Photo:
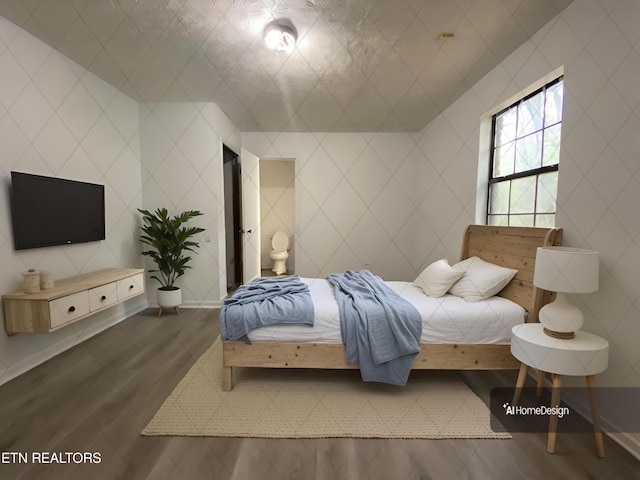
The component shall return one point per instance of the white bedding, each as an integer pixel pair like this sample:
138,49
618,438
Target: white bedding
448,319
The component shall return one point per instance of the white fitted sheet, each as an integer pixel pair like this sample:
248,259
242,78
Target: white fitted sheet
448,319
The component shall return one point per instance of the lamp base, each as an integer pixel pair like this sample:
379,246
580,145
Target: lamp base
560,318
561,335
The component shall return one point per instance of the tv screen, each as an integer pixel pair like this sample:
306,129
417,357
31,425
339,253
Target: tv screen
51,211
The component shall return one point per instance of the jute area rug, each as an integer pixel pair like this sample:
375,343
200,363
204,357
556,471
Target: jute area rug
268,403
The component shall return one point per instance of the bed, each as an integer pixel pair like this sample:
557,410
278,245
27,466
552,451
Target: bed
510,247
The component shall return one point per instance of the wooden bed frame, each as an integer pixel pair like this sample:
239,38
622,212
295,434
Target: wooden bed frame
513,247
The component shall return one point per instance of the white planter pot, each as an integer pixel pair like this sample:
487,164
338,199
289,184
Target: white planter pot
169,298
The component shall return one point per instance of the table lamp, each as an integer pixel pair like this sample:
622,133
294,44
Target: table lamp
564,270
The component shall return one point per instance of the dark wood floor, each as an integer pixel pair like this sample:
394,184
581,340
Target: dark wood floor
98,396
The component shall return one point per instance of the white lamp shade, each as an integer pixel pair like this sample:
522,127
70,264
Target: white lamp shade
566,270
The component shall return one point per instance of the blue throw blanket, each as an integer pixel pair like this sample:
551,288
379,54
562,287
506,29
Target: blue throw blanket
380,329
265,301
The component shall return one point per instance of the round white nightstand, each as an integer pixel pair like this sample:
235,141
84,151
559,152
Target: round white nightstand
584,355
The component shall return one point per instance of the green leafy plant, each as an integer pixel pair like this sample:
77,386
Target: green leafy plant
170,240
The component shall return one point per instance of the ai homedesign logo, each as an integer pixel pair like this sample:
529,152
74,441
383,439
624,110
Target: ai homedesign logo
538,411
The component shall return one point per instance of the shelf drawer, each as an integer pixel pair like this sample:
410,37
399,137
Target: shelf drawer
103,296
69,308
130,286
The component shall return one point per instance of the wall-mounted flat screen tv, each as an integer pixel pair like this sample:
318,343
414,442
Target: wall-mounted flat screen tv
51,211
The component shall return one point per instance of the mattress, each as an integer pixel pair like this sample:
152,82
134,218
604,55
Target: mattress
448,319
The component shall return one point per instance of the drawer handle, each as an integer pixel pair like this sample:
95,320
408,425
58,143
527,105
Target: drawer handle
72,309
103,298
130,287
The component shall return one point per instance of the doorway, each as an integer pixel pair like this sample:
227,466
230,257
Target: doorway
232,217
277,209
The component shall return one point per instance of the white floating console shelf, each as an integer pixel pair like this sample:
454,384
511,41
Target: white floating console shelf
70,300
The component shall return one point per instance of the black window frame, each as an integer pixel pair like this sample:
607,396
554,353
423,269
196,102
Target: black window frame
534,172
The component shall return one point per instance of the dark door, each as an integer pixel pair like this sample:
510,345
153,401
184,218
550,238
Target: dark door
232,217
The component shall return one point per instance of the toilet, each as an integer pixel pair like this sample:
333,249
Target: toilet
280,252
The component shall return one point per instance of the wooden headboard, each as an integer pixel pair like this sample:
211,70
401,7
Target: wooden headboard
513,247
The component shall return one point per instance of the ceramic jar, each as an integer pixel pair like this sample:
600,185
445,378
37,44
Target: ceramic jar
46,280
31,281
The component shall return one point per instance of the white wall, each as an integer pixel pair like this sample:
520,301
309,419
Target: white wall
181,146
60,120
370,201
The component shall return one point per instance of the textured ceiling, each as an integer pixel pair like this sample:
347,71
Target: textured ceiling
359,65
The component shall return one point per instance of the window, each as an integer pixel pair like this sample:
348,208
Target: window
525,152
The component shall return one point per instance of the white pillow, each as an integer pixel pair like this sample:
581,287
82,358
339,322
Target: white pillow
481,280
437,278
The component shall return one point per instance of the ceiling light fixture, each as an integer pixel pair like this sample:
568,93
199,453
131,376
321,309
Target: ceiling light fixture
280,35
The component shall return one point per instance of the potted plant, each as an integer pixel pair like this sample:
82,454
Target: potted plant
170,240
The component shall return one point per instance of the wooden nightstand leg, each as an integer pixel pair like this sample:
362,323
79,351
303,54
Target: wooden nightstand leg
522,376
595,415
553,420
540,385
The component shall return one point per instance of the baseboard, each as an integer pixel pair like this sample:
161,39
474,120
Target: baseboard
127,309
628,442
192,304
208,305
